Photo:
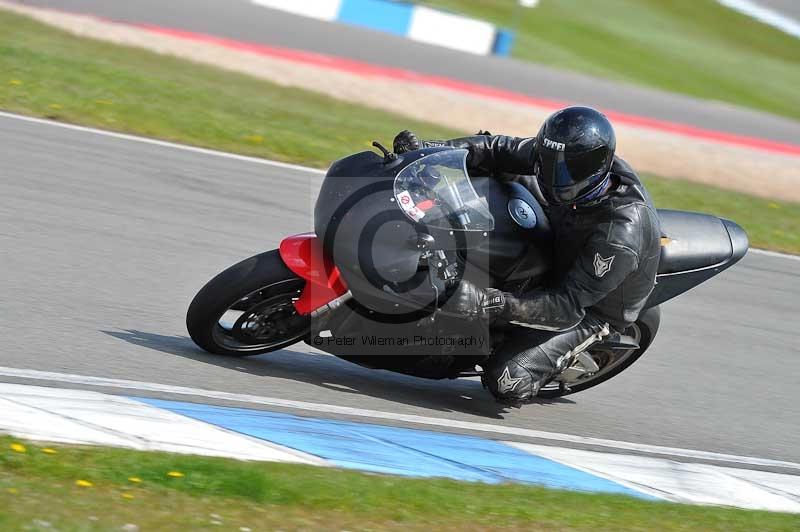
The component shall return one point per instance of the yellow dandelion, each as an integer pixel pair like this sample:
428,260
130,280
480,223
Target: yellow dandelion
255,139
135,480
83,484
772,205
103,102
48,450
175,474
12,491
54,106
18,448
127,496
14,82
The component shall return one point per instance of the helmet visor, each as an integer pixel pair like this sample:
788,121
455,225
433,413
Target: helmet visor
565,177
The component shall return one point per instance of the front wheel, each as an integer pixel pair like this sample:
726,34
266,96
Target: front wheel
611,363
249,309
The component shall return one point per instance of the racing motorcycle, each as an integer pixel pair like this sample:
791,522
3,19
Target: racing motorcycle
393,235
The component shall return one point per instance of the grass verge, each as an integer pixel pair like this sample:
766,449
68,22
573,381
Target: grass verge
697,47
770,224
46,72
88,488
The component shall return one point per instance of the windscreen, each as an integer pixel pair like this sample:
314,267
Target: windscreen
436,191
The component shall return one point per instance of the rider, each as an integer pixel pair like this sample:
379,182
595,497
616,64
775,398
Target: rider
607,247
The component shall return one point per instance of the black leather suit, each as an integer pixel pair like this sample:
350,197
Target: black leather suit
606,260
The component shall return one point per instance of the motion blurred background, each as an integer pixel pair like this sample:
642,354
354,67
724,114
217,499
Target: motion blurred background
104,244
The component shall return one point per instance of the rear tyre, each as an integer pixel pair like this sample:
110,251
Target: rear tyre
612,363
248,309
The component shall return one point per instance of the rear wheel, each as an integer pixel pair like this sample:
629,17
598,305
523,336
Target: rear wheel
248,309
611,362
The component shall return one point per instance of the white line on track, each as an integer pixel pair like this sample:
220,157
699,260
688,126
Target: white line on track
227,155
162,143
774,254
773,17
392,416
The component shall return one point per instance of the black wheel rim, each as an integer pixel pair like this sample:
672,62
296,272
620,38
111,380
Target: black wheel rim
607,359
264,319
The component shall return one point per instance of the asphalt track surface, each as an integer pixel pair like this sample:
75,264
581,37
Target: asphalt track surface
242,20
789,8
104,241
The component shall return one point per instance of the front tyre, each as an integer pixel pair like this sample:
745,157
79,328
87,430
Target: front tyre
248,309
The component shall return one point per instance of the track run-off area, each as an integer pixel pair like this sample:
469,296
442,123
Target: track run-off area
105,239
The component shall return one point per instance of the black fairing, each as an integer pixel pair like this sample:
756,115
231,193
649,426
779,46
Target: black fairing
511,253
695,248
355,197
373,243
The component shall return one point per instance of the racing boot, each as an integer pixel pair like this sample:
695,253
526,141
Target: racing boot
528,359
515,379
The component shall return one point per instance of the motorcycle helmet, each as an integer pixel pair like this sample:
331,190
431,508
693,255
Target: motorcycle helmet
574,152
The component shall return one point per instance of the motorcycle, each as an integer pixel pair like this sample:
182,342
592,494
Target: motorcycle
393,235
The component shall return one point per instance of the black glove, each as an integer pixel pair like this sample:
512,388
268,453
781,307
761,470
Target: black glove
405,141
472,302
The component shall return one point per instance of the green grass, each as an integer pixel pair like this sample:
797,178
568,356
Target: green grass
46,72
770,224
35,487
695,47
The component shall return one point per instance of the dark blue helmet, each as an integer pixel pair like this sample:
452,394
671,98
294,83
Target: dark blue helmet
574,153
